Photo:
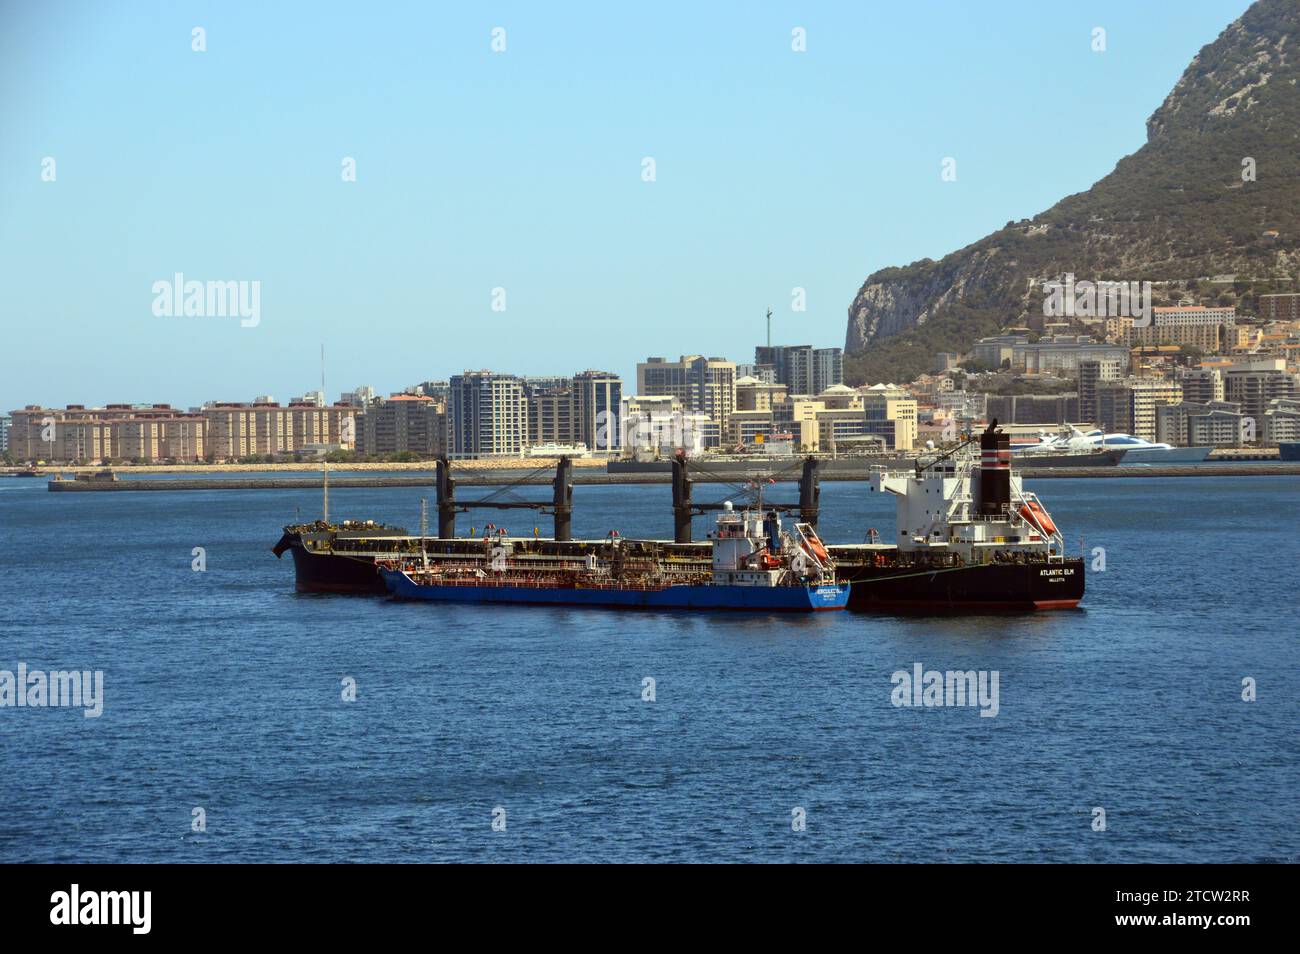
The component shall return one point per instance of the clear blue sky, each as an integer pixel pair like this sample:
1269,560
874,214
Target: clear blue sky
522,170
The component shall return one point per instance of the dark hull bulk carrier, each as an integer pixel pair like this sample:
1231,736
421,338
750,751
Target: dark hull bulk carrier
968,537
343,561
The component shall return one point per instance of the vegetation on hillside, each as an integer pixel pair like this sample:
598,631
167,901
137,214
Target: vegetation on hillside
1178,209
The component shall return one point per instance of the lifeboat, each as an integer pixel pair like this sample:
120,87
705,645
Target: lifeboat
816,547
1036,516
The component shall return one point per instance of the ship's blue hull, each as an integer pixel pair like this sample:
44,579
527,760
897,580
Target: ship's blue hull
766,599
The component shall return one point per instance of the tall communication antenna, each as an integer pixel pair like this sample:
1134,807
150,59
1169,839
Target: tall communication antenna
769,327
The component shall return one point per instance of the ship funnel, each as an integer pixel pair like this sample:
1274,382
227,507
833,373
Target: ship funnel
995,472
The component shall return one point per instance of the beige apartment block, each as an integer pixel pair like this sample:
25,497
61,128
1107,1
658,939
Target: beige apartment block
238,430
891,412
117,432
750,427
1193,325
755,395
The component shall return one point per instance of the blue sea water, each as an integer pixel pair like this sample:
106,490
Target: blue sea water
222,691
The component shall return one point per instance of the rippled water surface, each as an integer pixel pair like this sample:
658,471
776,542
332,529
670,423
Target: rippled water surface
222,692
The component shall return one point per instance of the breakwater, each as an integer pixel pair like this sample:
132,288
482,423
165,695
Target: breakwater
581,479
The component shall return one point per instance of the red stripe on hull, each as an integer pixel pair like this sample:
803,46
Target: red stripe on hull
945,606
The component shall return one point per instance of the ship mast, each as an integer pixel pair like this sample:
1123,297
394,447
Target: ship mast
325,463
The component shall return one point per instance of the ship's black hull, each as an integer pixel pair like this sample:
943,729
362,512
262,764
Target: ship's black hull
330,572
990,587
986,588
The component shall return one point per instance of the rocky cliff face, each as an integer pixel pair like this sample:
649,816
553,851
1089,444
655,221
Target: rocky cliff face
894,301
1178,208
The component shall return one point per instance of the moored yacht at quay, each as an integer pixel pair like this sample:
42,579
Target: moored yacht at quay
1132,450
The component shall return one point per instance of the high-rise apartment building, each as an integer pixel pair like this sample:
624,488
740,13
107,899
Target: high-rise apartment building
597,397
487,415
360,397
791,365
827,368
1202,385
703,385
1092,371
803,369
550,416
1129,406
403,424
1255,384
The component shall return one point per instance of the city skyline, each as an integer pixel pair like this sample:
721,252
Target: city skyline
521,170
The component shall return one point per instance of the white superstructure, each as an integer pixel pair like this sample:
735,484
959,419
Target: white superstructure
977,513
751,548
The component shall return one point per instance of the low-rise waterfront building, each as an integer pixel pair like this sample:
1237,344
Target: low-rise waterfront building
1199,424
658,424
750,427
1281,422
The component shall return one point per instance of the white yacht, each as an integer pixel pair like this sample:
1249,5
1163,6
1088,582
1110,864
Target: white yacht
1136,450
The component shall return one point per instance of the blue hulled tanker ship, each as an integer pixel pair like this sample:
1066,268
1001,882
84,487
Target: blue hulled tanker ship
757,565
